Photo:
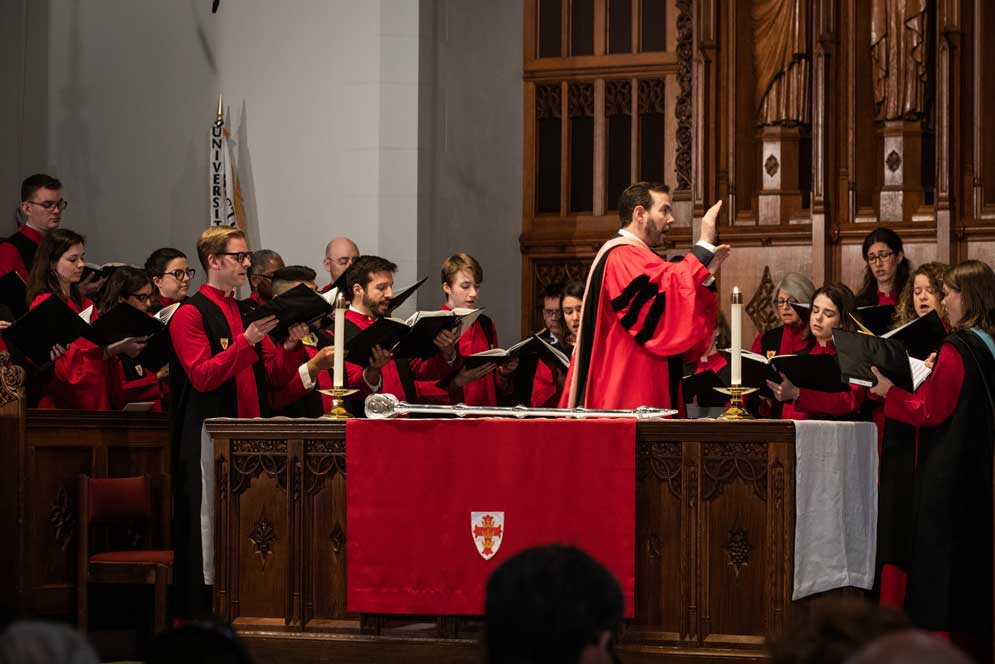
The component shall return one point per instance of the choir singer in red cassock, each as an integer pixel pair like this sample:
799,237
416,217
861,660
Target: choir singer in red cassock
950,566
219,367
642,314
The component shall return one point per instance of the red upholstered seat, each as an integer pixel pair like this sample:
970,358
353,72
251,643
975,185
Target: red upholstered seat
160,557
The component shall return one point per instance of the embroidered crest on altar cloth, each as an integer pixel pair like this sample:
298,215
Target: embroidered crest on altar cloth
487,530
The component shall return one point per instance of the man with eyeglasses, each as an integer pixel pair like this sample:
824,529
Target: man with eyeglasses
220,367
265,263
340,254
41,207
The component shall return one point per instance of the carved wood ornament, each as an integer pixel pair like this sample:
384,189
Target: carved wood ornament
760,308
11,379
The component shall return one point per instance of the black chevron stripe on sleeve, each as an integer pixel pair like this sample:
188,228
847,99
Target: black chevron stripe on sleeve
652,318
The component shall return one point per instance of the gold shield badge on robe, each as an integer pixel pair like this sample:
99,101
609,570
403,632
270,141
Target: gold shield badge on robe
224,343
487,530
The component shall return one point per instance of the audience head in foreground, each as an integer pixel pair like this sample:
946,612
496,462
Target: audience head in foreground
909,647
200,642
38,642
551,604
833,630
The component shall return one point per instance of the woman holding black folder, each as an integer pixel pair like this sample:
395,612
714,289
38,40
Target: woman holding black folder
80,378
950,567
831,308
129,381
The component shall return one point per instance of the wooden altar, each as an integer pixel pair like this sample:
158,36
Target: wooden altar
714,559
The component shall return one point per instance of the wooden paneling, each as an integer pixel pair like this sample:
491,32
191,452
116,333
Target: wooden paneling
712,144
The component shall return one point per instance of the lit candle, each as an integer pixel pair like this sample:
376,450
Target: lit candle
340,309
737,337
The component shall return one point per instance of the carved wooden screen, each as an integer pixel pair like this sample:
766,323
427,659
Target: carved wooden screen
607,102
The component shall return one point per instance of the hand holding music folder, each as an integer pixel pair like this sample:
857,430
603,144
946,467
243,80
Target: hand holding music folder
534,345
123,321
922,336
408,339
814,372
300,304
858,352
49,324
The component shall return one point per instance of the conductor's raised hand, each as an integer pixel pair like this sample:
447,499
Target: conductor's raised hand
709,232
721,253
258,330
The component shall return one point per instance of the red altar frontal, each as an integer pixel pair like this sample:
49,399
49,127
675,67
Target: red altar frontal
696,518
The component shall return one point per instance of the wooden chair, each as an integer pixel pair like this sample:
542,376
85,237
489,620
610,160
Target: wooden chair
124,505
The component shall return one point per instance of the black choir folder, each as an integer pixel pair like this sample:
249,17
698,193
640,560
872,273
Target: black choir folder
534,345
300,304
858,352
156,353
814,372
877,318
13,294
700,389
51,322
411,338
921,336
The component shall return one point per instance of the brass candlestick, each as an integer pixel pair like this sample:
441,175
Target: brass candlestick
736,394
338,395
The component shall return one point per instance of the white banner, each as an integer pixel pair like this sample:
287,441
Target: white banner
223,190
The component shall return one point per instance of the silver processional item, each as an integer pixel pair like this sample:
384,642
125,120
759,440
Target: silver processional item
382,406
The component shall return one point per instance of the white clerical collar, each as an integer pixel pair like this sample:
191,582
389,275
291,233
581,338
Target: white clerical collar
631,236
352,308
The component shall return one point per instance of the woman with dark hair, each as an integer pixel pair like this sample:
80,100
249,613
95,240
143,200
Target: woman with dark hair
886,271
80,375
130,382
831,308
713,360
950,568
547,385
170,275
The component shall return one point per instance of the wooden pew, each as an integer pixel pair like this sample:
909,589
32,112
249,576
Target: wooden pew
42,453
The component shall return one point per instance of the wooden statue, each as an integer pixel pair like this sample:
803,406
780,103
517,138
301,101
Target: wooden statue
898,54
781,61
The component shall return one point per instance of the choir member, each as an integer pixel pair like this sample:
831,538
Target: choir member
371,282
488,383
899,444
129,381
340,254
886,271
219,367
552,313
80,377
171,276
641,313
792,335
712,359
831,308
41,208
950,566
316,343
265,263
547,386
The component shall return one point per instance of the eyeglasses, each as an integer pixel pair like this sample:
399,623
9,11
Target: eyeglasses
179,274
550,312
881,257
48,205
781,302
240,256
144,298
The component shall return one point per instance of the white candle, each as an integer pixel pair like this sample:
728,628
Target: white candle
736,324
338,370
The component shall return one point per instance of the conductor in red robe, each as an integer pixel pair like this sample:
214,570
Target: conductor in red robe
642,314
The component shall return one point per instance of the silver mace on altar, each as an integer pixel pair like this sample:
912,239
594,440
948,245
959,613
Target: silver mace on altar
383,406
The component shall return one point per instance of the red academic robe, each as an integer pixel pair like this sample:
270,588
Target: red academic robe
130,382
641,315
434,368
714,362
10,257
207,372
793,340
481,392
891,297
812,404
81,377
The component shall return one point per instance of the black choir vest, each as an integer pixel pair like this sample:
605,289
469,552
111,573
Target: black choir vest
26,248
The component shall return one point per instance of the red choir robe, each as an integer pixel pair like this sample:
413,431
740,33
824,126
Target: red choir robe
481,392
891,297
641,315
130,382
714,362
812,404
18,247
548,383
950,568
81,377
789,339
433,368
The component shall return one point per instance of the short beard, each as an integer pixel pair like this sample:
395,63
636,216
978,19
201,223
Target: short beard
372,306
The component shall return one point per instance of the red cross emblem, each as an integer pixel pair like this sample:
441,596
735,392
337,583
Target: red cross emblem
487,530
